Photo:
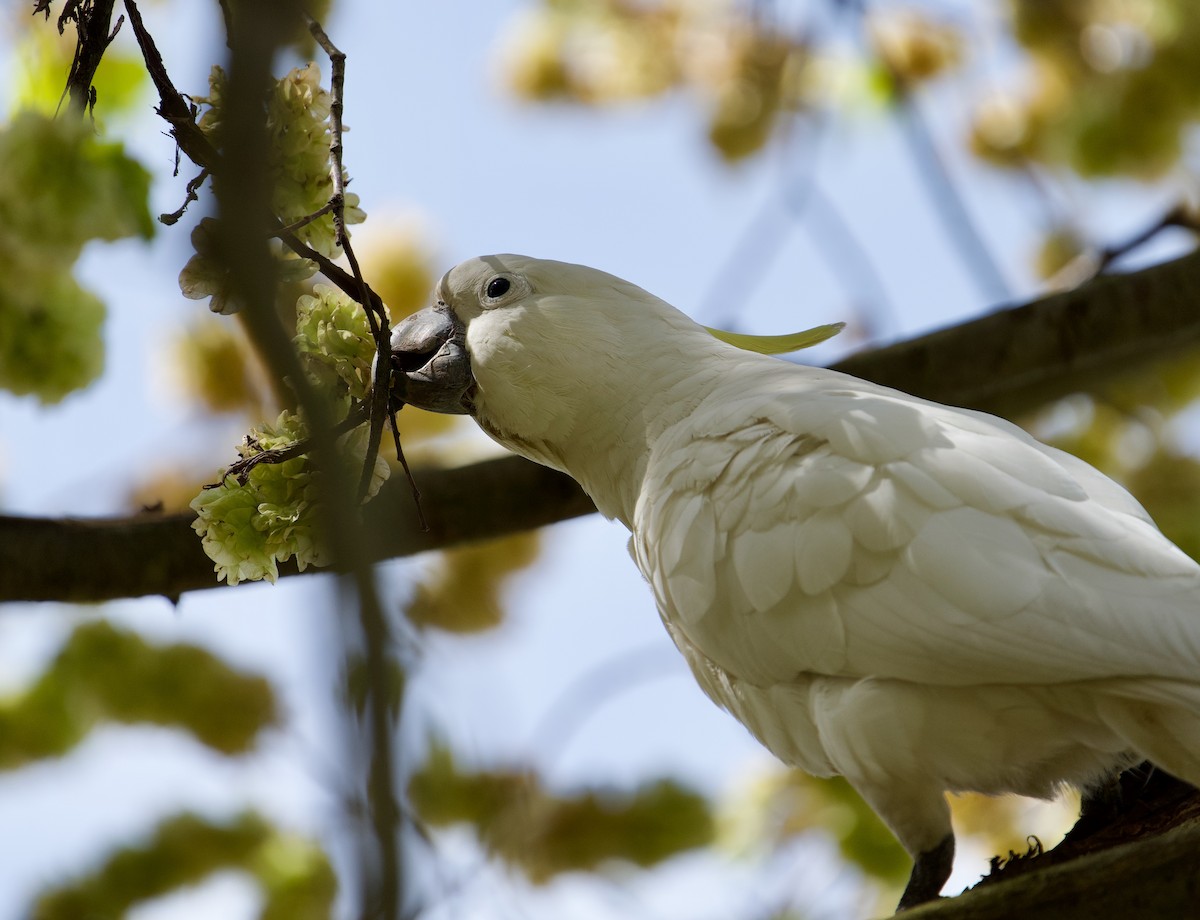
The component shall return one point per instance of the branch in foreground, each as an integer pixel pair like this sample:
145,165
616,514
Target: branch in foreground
1154,877
80,560
1006,362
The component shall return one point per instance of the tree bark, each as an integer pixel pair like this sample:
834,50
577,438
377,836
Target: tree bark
1151,879
1007,362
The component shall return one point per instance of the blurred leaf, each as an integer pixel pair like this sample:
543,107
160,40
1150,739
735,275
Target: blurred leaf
183,851
1169,386
218,367
863,839
545,833
105,674
594,53
645,827
1116,85
297,879
463,593
400,263
442,794
42,60
59,188
1168,485
784,804
1058,249
749,103
914,47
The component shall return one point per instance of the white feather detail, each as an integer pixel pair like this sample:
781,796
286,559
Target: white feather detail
823,545
762,563
984,564
883,518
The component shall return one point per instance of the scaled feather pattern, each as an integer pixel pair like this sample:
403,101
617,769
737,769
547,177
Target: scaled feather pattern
916,597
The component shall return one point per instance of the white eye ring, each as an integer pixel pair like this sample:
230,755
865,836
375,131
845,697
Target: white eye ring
501,287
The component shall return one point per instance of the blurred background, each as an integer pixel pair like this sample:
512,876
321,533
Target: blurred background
764,166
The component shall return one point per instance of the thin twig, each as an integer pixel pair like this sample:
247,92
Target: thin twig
193,188
242,203
240,469
940,187
392,410
193,142
304,221
947,201
375,314
93,36
385,814
172,106
1179,216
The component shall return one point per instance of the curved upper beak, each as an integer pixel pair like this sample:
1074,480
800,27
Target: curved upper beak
430,360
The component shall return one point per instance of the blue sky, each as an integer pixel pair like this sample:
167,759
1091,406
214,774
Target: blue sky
634,191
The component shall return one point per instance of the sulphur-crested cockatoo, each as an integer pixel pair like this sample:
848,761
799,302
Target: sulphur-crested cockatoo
915,597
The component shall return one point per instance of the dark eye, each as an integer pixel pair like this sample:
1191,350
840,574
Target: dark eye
498,287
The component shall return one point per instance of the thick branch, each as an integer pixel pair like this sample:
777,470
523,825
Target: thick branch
1155,877
92,22
1006,362
1014,360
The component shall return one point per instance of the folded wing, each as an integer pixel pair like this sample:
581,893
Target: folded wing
860,532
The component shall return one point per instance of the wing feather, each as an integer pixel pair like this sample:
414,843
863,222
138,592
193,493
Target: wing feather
860,532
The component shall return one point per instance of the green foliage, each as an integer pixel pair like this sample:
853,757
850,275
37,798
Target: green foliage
1117,431
787,803
862,838
297,880
59,188
333,337
206,274
1168,485
297,117
42,60
1116,89
250,523
544,833
248,527
461,594
104,674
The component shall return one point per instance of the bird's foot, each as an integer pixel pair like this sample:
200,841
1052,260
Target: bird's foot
929,874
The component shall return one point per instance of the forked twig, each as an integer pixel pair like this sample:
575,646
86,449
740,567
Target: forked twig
240,469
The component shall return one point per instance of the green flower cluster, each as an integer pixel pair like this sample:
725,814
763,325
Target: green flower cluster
333,337
206,275
247,529
298,124
297,116
59,188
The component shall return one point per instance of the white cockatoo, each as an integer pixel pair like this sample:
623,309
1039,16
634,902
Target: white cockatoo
915,597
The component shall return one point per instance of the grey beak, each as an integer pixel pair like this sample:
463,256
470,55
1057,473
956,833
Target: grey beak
429,355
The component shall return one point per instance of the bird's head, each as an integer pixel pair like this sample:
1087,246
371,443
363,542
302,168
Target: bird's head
565,364
529,346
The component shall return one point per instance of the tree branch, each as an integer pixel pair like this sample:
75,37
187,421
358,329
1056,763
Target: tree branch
1007,362
92,19
1154,877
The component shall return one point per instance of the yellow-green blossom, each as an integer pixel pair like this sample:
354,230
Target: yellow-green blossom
333,337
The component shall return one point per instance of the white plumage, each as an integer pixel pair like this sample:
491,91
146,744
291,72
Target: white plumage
915,597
